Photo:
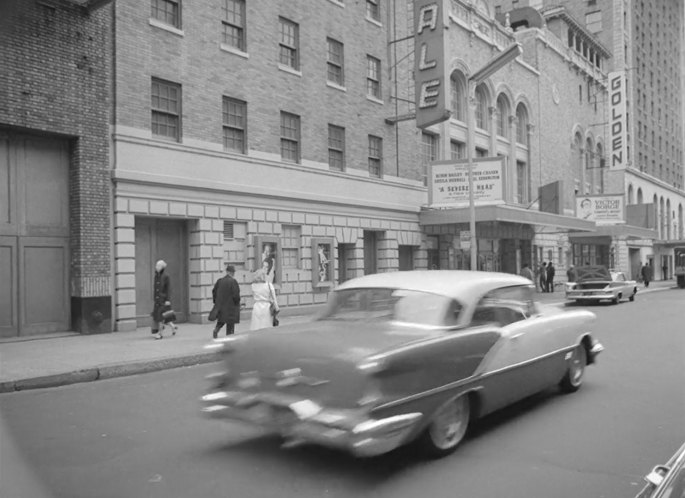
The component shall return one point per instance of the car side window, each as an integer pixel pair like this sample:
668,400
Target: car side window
504,306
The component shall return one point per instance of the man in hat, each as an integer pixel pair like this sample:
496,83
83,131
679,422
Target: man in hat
226,297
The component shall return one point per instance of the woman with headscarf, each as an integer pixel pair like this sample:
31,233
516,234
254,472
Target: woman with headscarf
265,304
161,295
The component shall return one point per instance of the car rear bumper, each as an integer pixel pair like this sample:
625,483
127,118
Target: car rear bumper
589,295
305,421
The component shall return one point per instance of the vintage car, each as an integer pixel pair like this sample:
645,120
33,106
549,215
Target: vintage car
597,283
400,357
666,481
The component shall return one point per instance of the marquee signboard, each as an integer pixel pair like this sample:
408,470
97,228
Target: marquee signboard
618,124
449,182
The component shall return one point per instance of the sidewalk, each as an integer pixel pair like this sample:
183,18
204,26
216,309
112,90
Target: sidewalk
60,359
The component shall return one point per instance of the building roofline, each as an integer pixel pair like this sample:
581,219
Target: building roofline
561,12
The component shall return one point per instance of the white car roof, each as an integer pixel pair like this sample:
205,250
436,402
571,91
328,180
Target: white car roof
462,285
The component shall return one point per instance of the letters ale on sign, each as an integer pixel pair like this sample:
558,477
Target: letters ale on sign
618,131
429,62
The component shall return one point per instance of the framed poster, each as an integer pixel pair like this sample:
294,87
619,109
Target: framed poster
322,261
267,250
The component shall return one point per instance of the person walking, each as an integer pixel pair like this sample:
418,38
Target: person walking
527,272
570,274
226,297
161,295
542,277
646,273
265,305
550,277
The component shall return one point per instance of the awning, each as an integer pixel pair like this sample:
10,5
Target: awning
504,213
622,230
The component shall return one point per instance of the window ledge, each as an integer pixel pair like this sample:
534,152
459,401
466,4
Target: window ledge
232,50
373,21
288,69
375,100
336,86
166,27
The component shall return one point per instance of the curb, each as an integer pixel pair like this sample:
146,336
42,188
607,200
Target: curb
108,372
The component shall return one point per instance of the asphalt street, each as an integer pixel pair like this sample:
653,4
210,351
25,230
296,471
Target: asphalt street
143,436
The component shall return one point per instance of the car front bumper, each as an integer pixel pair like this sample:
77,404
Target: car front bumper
303,420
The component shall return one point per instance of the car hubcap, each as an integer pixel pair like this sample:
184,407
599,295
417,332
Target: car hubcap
450,422
577,368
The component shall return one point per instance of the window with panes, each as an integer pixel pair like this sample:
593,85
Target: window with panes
373,9
290,245
375,156
289,43
458,96
429,151
502,117
234,125
290,137
457,150
521,182
336,147
167,11
481,109
373,77
166,109
335,62
235,240
234,24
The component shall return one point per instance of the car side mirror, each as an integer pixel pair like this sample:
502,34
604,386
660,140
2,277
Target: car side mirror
656,476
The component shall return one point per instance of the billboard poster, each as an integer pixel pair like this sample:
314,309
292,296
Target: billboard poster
602,209
449,182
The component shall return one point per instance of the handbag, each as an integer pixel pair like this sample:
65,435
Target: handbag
168,315
214,314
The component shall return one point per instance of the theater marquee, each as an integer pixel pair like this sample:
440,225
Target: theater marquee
449,182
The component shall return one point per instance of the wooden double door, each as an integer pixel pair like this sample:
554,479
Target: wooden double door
166,239
34,235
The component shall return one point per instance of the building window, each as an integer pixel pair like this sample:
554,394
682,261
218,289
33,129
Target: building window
521,182
235,238
375,156
429,152
167,11
457,150
289,44
336,147
373,10
335,62
521,125
235,124
502,117
373,77
481,109
290,137
458,96
290,244
166,109
234,24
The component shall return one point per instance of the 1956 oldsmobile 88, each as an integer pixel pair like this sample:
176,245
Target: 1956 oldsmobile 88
402,357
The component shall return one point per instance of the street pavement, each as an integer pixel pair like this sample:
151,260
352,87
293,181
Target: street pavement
59,359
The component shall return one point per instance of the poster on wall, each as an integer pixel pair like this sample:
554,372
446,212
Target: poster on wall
322,262
448,184
602,209
266,257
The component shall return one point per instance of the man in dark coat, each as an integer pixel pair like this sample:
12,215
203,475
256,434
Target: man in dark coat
550,277
542,277
646,273
161,295
226,296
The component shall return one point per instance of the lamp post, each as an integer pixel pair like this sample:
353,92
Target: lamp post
494,65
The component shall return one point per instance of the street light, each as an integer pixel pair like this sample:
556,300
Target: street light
494,65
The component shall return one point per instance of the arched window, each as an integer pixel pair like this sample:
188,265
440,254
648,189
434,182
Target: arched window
630,194
482,113
589,154
458,95
640,200
502,116
521,125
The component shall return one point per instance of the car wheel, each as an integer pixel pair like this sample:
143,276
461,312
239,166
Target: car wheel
573,378
447,428
616,300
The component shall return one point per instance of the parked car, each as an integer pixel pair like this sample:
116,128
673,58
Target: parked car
666,481
597,283
402,357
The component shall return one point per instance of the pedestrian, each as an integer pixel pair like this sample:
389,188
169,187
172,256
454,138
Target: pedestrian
161,295
265,306
527,272
664,272
542,277
646,273
570,274
550,277
226,297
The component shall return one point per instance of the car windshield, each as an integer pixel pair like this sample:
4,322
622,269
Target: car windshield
399,305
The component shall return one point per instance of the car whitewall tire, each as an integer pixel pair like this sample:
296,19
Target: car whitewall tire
576,370
447,427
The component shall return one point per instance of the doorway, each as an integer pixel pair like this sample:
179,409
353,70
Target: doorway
158,238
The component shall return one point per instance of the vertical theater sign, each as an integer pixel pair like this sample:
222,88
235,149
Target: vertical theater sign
618,124
429,65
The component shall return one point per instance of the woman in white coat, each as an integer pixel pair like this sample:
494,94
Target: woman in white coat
263,295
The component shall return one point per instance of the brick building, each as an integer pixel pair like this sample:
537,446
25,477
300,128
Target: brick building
55,236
